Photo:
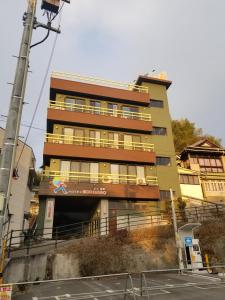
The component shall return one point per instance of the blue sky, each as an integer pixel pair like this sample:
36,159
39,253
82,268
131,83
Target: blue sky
120,39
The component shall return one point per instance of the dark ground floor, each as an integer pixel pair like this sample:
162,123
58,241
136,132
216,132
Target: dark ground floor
63,211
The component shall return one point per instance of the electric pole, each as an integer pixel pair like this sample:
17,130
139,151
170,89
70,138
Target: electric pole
16,105
177,238
14,115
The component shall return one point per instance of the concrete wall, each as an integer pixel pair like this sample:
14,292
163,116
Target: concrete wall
41,267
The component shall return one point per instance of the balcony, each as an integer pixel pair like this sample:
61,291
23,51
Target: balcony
75,113
99,149
75,83
81,184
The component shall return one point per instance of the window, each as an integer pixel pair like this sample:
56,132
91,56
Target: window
79,136
65,169
95,137
96,107
159,131
128,141
113,140
68,135
115,173
163,161
189,179
210,164
165,195
74,104
156,103
80,171
129,112
122,173
113,109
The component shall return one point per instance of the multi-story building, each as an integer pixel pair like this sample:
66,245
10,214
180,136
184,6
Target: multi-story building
108,150
206,160
22,184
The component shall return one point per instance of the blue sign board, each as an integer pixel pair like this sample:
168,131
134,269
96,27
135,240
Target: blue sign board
188,241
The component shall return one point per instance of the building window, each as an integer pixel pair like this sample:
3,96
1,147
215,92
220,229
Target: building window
159,131
164,195
189,179
130,112
113,109
96,107
156,103
210,164
163,161
73,104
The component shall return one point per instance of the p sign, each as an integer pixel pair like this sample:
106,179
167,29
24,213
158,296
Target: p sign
188,241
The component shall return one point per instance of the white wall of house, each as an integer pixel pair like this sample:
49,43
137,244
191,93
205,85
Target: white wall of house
21,194
191,190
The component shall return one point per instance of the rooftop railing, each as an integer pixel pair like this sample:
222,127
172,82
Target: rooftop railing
95,142
100,81
89,177
100,111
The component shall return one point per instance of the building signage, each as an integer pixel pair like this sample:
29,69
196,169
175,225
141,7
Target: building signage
5,292
188,241
60,187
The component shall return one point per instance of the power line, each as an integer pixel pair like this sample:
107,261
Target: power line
27,125
41,91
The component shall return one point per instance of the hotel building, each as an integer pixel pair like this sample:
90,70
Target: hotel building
108,151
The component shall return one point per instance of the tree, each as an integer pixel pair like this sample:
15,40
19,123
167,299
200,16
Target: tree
186,133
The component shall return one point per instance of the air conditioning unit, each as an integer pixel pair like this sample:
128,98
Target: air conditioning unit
141,181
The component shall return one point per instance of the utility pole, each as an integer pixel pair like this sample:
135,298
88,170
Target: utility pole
14,115
177,238
16,105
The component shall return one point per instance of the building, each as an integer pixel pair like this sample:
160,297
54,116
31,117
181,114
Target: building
108,151
206,160
19,204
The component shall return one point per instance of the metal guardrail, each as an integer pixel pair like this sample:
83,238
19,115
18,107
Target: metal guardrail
100,111
128,290
52,238
146,287
97,80
99,177
95,142
200,213
145,284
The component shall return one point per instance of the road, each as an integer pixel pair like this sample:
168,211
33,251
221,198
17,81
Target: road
170,286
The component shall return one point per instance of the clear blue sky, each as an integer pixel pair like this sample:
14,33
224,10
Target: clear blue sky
120,39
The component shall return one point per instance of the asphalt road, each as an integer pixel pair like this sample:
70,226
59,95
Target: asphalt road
160,287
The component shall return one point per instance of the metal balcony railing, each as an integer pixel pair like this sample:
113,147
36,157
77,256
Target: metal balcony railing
89,177
100,81
100,111
95,142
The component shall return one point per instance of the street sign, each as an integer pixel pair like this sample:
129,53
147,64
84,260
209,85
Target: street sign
5,292
188,241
